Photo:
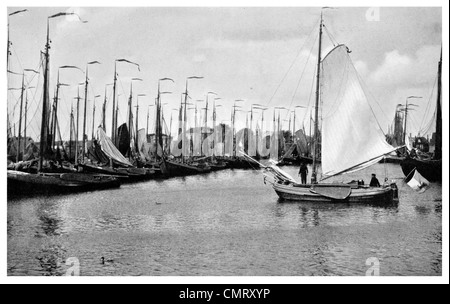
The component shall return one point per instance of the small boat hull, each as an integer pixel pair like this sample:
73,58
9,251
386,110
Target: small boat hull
358,195
175,168
27,183
127,174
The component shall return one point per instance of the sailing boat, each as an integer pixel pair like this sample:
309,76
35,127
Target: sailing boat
169,165
351,138
431,169
42,181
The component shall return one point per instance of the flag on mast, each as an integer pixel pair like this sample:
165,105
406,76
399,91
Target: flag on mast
417,182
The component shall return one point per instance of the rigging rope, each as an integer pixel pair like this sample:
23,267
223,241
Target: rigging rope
300,79
292,64
429,105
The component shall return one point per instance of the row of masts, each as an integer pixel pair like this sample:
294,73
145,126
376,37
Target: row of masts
49,125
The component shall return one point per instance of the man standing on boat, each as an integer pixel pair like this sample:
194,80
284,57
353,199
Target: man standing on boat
303,172
374,181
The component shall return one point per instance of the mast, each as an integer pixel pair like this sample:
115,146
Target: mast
113,125
78,125
280,133
185,123
84,115
55,111
137,126
214,129
404,126
104,112
158,131
310,133
180,117
206,123
71,131
438,141
195,127
85,107
93,120
44,122
20,117
170,132
233,117
316,114
130,116
25,120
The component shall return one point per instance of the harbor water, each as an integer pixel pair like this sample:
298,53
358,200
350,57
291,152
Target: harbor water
226,223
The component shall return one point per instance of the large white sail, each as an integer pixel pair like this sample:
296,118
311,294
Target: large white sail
351,137
109,149
143,146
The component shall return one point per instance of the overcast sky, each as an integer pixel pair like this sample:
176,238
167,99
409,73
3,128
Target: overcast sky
262,55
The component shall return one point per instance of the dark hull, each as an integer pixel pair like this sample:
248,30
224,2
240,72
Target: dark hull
218,166
174,168
240,163
20,183
430,169
125,174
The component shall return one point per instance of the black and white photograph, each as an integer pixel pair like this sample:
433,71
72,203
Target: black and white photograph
213,140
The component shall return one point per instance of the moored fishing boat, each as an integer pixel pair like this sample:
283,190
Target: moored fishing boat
430,168
28,183
46,178
177,168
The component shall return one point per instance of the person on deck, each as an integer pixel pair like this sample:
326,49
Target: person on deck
374,181
303,172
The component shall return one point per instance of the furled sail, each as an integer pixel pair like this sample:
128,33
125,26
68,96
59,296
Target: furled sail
109,149
351,137
143,146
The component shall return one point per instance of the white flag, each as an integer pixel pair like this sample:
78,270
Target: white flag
417,181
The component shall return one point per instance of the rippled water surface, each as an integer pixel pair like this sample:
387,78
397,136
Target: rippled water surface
222,224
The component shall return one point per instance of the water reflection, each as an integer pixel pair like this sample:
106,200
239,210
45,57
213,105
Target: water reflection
51,260
49,219
309,217
226,223
422,210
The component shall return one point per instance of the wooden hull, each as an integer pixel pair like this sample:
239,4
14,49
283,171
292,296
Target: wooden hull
430,169
27,183
175,168
240,163
218,166
358,195
126,174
